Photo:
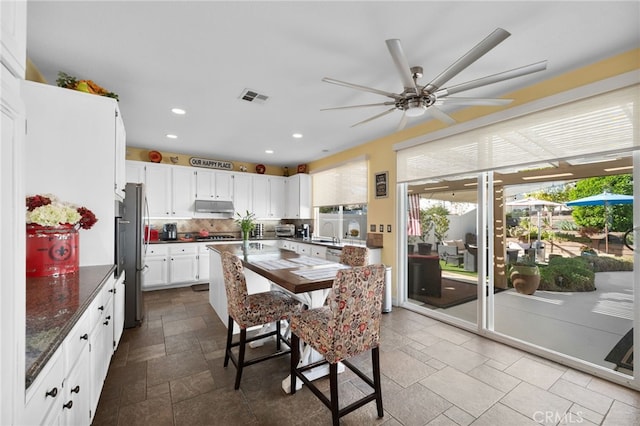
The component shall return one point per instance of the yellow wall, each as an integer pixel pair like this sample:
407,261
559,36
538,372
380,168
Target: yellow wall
383,158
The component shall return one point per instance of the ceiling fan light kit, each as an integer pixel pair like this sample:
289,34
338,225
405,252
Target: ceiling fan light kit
416,99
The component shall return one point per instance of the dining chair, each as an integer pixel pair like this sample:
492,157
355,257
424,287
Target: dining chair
249,310
348,325
354,256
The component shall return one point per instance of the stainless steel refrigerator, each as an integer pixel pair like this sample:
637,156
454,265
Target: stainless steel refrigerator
135,247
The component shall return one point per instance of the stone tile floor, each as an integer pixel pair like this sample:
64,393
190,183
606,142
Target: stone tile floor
169,372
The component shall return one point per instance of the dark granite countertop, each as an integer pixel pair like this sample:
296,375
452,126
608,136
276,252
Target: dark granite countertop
54,305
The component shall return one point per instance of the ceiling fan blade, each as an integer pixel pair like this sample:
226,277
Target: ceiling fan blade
363,88
491,41
403,122
495,78
473,101
359,106
374,117
402,65
438,114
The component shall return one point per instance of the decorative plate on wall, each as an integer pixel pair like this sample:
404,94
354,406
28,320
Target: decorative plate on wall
155,156
260,168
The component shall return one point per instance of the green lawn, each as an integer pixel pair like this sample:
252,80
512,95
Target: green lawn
457,269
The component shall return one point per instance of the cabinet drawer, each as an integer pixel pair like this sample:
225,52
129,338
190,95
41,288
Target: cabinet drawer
77,339
99,304
45,391
186,249
157,250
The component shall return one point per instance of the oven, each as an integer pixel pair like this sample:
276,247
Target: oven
119,240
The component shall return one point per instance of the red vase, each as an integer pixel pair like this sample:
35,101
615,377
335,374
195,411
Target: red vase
52,250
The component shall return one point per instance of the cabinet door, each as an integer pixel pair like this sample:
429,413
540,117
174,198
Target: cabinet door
156,273
135,171
260,196
183,269
292,196
76,404
118,311
183,192
101,348
158,186
242,193
205,184
14,35
276,197
203,263
120,151
223,186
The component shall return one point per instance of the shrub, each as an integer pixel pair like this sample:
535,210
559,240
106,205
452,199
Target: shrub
567,274
610,264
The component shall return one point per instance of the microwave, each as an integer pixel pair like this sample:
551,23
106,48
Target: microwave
285,230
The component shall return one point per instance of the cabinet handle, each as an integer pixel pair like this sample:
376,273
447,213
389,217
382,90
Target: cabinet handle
68,404
52,393
76,389
106,323
111,290
101,308
108,317
85,336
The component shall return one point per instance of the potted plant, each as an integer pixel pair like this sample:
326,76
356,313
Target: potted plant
247,223
426,223
525,276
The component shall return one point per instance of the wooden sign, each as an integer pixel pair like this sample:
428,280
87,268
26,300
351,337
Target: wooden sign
211,164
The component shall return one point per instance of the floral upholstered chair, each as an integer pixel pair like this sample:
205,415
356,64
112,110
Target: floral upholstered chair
249,310
354,255
346,326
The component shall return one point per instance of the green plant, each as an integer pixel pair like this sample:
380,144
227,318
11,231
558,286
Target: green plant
436,218
247,223
567,274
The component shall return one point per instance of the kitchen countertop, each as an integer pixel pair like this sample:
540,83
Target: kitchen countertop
320,242
54,305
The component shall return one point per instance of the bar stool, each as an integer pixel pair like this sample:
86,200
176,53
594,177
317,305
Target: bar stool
347,326
354,255
249,310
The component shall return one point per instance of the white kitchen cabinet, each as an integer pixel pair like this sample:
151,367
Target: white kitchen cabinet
44,396
13,52
76,401
118,310
242,185
318,251
156,272
119,160
135,171
212,185
268,196
175,265
170,190
70,146
298,197
183,266
100,340
203,263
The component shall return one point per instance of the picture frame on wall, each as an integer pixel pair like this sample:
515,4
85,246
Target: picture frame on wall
382,184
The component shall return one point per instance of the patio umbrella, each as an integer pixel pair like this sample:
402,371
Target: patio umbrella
413,223
536,204
605,199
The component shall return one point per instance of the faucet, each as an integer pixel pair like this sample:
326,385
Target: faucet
334,239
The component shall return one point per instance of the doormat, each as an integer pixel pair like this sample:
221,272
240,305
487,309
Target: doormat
622,353
454,293
200,287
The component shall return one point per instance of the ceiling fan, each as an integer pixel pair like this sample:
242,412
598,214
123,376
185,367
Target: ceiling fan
416,99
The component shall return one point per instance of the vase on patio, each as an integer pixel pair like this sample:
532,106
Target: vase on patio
525,278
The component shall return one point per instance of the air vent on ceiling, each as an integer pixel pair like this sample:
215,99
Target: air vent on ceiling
253,96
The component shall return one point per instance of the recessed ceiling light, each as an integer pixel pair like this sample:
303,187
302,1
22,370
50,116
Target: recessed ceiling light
547,176
178,111
615,169
297,135
436,187
268,151
171,136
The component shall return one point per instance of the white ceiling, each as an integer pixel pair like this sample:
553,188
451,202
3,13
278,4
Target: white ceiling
201,55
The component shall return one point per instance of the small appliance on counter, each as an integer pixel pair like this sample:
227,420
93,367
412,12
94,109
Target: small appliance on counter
258,231
150,233
170,232
285,230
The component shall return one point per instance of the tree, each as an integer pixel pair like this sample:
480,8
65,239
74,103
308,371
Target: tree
435,218
620,216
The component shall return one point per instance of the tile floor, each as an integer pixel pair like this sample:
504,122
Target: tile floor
169,372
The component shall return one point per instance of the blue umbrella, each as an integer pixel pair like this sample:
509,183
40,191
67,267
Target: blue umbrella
603,199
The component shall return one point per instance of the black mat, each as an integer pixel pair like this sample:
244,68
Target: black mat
454,293
622,353
200,287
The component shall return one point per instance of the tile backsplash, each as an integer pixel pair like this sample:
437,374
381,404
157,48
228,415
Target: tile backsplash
220,226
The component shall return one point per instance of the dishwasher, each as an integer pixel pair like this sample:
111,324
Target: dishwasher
333,255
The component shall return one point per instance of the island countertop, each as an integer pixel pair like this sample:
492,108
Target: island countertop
254,252
53,307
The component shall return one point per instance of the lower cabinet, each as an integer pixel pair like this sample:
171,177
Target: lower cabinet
67,390
175,264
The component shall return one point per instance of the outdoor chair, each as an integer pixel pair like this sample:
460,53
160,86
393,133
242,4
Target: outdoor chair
347,326
249,310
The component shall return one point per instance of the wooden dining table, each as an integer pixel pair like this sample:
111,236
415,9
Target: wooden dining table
306,278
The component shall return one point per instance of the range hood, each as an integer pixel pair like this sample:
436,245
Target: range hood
213,206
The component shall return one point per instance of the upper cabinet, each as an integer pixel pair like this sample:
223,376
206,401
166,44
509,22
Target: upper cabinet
212,185
70,149
242,200
170,190
268,196
13,20
298,197
120,155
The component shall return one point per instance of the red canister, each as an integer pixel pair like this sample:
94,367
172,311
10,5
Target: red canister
52,250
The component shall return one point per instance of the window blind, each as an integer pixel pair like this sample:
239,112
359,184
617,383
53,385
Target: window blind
598,124
341,185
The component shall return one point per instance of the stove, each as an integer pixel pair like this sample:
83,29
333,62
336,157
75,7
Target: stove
215,237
